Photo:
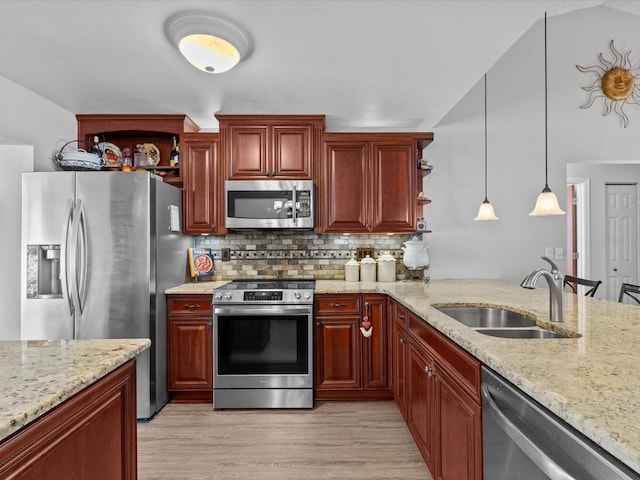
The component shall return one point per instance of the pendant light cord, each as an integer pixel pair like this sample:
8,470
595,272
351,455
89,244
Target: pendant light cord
546,142
485,137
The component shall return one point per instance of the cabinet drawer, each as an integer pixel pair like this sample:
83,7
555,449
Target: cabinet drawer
337,304
399,314
187,304
459,364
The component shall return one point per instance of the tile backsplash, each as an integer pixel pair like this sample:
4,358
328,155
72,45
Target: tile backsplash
295,254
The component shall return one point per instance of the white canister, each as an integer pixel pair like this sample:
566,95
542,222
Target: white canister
386,268
352,270
367,269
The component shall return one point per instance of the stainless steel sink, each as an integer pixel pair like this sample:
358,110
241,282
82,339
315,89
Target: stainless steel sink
499,322
526,332
488,317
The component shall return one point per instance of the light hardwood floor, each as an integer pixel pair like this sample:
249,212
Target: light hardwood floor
335,440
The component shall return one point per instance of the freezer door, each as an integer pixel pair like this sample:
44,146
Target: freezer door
47,200
113,255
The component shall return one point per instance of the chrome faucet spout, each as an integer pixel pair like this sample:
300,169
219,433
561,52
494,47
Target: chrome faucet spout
554,279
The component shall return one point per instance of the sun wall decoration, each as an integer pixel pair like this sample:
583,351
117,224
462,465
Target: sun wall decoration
618,82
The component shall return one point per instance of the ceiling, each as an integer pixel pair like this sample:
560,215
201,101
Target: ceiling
391,65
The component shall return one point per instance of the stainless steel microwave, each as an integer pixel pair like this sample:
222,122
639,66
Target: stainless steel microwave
267,204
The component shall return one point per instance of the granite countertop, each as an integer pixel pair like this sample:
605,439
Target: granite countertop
591,381
38,375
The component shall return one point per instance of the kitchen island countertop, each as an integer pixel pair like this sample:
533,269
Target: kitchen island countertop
38,375
592,381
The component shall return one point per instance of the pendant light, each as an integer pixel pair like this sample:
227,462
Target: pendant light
547,202
485,212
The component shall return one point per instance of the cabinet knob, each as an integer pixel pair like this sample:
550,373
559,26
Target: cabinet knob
317,324
402,341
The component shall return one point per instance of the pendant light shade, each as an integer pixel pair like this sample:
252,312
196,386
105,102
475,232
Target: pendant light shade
485,212
547,202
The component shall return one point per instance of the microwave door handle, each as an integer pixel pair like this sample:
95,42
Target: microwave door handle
528,447
294,208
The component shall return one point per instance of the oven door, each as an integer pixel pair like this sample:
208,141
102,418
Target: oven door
263,346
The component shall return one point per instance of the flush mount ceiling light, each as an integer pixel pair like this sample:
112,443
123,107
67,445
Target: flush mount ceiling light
209,42
485,212
547,202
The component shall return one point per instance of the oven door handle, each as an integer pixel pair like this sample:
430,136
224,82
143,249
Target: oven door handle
261,310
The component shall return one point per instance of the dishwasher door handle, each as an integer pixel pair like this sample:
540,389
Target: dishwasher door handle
529,448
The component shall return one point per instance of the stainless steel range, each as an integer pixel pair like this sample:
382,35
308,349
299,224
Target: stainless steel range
263,344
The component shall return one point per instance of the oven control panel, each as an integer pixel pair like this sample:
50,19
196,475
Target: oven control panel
250,296
263,296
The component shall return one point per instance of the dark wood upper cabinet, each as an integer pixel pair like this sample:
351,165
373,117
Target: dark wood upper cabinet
369,182
270,146
203,185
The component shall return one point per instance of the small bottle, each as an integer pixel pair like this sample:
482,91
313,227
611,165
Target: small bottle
174,157
94,146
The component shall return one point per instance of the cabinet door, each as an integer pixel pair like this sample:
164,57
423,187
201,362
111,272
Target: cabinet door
247,152
420,406
374,350
458,433
344,187
202,194
190,355
337,353
393,194
399,362
292,152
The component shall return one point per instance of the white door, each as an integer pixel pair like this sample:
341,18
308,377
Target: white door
622,252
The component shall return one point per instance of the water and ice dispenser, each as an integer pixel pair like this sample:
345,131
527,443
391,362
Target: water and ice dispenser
43,271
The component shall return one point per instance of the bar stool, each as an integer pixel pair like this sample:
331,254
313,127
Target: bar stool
573,283
631,291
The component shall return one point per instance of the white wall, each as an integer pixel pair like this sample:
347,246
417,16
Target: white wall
510,247
30,119
41,128
14,159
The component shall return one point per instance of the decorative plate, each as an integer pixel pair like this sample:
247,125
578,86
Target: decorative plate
111,154
151,154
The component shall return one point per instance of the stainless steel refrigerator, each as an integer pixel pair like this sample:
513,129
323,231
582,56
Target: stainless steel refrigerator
98,251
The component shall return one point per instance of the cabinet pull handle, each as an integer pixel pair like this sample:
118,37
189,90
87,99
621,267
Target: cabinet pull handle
399,315
191,306
338,305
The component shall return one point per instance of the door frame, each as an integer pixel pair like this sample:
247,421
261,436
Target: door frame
581,224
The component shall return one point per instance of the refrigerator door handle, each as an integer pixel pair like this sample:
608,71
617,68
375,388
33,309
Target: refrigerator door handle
82,255
73,260
64,257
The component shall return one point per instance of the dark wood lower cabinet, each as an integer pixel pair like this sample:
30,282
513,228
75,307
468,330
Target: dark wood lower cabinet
458,431
93,435
190,348
420,402
349,365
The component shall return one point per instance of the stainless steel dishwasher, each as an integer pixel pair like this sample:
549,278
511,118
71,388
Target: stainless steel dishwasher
523,440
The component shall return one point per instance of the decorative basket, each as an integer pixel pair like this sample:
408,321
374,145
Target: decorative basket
78,160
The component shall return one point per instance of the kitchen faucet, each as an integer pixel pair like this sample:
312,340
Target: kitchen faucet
554,279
